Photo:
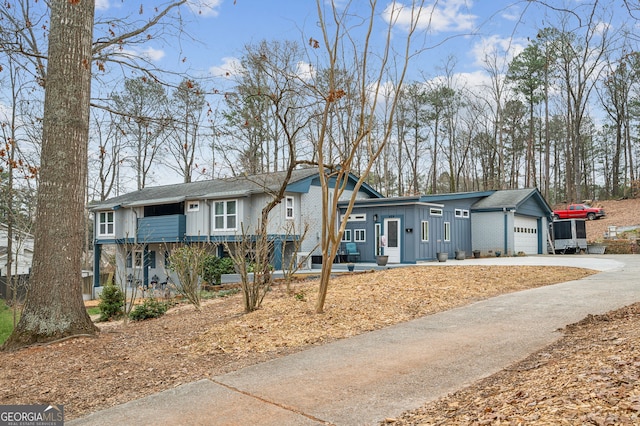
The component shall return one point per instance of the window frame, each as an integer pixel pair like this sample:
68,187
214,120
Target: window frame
137,259
346,236
436,211
447,232
289,207
193,206
424,231
360,235
225,215
109,226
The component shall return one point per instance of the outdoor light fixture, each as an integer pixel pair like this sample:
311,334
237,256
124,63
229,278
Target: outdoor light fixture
375,217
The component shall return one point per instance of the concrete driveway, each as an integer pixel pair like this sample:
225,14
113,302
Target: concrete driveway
367,378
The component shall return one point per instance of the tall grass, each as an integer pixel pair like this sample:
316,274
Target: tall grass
6,321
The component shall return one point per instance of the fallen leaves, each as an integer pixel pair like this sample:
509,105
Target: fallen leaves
131,361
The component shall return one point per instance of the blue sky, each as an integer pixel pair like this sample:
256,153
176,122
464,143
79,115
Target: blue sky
466,29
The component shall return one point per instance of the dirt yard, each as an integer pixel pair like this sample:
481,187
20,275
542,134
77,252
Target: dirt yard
129,361
619,213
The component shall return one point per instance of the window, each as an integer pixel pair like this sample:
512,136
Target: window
193,206
357,217
458,212
435,212
225,215
447,231
465,213
424,231
137,258
105,223
360,235
288,203
347,235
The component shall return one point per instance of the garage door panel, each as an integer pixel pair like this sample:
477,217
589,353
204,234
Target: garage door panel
525,235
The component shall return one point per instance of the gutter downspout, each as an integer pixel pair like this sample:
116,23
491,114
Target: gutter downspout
506,231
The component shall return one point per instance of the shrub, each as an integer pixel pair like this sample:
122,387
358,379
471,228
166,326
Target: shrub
150,308
111,302
213,267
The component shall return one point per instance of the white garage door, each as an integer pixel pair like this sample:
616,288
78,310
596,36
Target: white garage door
525,234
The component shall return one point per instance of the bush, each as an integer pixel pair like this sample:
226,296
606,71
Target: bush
111,302
150,308
213,267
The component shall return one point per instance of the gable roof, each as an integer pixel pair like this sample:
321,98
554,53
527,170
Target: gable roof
512,199
239,186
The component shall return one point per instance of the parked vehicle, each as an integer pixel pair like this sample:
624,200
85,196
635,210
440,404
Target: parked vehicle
579,211
568,236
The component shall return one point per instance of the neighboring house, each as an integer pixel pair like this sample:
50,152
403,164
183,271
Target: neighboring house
144,224
413,229
22,248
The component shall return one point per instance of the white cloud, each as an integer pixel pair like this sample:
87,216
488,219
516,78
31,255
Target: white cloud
438,17
207,8
152,54
5,113
149,54
102,4
305,71
229,68
496,46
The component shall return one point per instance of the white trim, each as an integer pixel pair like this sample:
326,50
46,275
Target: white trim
106,227
289,210
225,216
360,235
193,206
422,231
357,217
435,211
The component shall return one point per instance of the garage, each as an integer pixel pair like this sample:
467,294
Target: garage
525,234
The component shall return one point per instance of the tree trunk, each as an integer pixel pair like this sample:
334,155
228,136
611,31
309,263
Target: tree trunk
54,308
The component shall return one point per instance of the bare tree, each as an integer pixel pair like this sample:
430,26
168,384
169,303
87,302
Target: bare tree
188,104
339,48
141,122
54,307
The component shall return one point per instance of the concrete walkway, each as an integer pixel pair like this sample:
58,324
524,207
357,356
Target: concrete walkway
377,375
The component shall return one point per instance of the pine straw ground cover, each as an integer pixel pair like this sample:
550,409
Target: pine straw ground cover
589,377
129,361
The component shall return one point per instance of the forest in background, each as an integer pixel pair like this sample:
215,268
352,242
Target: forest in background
561,115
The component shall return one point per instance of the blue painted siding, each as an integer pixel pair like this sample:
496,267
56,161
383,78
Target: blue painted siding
158,229
411,216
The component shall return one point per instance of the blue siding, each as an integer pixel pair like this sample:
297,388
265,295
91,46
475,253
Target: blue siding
158,229
411,216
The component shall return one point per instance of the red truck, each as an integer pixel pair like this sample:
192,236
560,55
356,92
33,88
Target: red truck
579,211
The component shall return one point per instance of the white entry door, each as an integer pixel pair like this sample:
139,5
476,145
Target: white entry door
392,235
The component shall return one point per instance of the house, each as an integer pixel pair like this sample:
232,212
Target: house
143,225
414,229
22,249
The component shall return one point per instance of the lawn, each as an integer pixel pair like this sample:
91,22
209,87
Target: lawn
6,321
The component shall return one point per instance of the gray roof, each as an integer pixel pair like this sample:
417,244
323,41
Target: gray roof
210,189
510,198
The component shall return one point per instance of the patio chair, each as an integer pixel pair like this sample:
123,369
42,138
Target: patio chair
352,252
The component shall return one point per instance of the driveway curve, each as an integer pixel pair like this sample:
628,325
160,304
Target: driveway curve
367,378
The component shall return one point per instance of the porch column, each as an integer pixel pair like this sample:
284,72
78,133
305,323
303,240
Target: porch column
97,254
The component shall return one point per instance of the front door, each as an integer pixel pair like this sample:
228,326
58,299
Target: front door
392,236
